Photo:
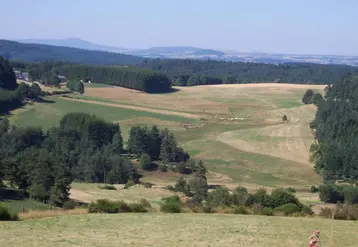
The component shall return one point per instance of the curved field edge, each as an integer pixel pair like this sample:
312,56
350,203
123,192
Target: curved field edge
175,230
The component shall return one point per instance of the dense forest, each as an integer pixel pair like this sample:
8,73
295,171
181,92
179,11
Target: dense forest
336,132
83,148
36,52
186,72
13,95
129,77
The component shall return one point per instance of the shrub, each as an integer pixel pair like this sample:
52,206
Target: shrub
307,210
257,208
163,168
331,193
326,212
146,163
259,197
107,187
292,190
284,118
137,208
129,184
147,184
103,206
220,197
70,204
314,189
350,194
346,212
109,207
6,215
171,204
267,211
240,210
207,208
288,209
240,196
145,203
281,197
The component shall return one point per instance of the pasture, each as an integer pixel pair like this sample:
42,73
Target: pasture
175,230
237,130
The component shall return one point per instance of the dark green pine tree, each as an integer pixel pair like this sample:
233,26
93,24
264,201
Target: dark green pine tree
154,142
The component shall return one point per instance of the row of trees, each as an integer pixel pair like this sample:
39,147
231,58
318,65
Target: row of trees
130,77
221,72
134,78
336,132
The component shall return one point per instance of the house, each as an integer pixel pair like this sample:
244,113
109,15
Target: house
62,78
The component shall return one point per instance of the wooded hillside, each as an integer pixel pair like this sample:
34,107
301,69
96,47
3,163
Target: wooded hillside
36,52
336,131
218,72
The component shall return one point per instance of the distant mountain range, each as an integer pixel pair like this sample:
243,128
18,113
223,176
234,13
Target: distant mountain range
200,53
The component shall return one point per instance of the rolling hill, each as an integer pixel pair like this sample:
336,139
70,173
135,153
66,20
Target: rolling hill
39,52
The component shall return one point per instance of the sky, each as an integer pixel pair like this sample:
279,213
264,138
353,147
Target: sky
275,26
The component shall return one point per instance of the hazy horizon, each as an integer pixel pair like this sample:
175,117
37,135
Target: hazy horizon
278,26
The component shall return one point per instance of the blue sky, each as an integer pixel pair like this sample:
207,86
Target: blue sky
280,26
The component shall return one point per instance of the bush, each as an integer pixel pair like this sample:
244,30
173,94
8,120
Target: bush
257,208
346,212
307,210
350,194
6,215
281,197
163,168
129,184
103,206
137,208
288,209
240,210
314,189
240,196
220,197
259,197
146,163
331,193
147,184
145,203
284,118
267,211
171,204
326,212
109,207
292,190
107,187
70,204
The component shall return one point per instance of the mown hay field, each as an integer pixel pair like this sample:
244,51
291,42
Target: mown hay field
155,229
237,130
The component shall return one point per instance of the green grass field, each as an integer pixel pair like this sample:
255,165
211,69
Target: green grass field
242,139
175,230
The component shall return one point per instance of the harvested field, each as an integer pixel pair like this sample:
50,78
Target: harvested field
175,230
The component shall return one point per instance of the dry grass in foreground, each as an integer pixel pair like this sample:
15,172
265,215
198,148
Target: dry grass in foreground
176,230
35,214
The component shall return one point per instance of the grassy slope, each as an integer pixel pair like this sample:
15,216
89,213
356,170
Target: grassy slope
175,230
260,106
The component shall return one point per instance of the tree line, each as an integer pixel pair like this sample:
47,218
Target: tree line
129,77
335,127
13,95
84,147
188,72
